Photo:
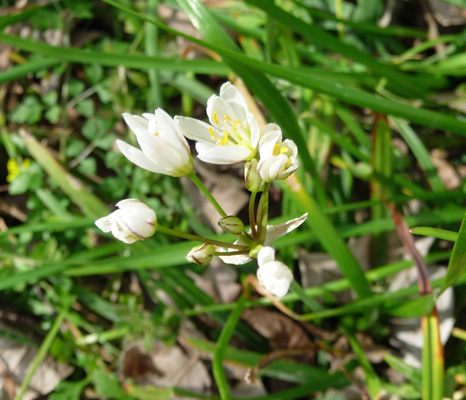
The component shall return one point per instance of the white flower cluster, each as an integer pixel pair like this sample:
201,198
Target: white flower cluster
232,135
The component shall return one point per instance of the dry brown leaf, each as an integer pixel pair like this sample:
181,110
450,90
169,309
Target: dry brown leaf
282,332
15,361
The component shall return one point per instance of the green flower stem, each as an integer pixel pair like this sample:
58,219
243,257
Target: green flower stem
189,236
252,218
43,350
207,194
263,213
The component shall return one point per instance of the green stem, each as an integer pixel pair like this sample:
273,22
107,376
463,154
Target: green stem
207,194
44,348
189,236
263,213
252,218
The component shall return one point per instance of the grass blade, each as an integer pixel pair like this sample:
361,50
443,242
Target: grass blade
457,264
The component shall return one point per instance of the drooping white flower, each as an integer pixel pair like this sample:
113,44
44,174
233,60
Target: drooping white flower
273,232
278,160
164,149
233,133
273,275
133,221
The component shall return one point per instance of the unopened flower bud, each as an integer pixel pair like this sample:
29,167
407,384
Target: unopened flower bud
232,225
201,254
133,221
252,179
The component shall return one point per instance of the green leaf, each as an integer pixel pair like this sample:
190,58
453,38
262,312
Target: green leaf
457,264
150,392
85,108
435,232
28,111
411,308
69,390
53,114
107,385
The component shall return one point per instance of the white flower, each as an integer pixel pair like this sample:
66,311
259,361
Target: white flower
277,159
164,148
273,275
234,133
133,221
273,232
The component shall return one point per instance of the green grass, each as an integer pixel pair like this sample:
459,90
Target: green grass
368,107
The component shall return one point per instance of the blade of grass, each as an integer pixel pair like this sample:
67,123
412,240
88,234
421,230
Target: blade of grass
43,350
420,152
432,358
221,347
373,383
435,232
151,48
457,264
314,35
19,71
91,205
329,238
115,60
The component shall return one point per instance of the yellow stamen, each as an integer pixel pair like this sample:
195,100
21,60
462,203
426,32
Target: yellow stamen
215,116
236,123
156,134
276,149
284,150
212,133
224,141
226,118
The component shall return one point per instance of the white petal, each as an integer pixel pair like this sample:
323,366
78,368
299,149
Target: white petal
137,157
197,130
275,277
236,260
170,131
222,155
234,96
131,203
277,231
136,123
266,254
221,114
104,223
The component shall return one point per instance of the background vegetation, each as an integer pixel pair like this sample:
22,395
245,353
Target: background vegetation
372,92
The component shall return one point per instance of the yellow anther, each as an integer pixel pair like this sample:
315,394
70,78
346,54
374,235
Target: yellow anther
226,118
214,116
276,149
236,123
212,133
284,150
156,134
224,140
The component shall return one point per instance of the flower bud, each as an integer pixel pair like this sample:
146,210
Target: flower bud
252,179
133,221
273,275
232,225
201,254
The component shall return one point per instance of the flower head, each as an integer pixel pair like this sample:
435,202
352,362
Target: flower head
273,275
278,160
133,221
201,254
233,133
164,149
